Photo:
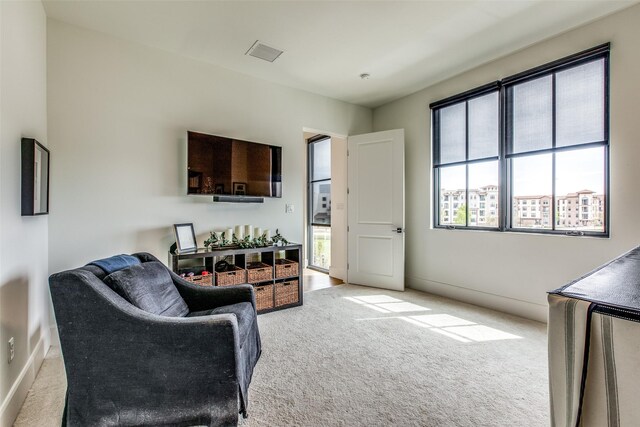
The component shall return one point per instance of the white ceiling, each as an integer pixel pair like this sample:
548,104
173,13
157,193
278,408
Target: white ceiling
404,45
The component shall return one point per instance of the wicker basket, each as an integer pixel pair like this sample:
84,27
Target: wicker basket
230,278
287,293
286,268
264,297
259,272
200,280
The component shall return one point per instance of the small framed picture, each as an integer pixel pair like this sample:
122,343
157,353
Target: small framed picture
240,188
185,238
35,178
219,189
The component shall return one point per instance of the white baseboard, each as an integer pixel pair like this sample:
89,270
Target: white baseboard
54,338
518,307
18,391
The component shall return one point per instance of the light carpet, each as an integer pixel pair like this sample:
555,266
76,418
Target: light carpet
358,356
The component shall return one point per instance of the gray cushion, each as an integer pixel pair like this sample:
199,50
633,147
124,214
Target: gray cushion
244,313
100,274
149,287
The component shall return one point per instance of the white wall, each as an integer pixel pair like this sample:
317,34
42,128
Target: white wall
24,293
512,271
118,113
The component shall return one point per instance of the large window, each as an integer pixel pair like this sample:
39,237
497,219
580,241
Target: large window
319,192
528,153
466,159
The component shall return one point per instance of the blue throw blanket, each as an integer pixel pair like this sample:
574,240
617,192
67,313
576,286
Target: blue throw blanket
116,262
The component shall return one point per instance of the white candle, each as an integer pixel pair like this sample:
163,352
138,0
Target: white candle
267,233
257,232
229,234
248,230
239,232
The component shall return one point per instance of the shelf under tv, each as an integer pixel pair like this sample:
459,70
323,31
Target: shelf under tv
237,199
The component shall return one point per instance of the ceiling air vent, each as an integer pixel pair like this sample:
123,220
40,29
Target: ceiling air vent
263,51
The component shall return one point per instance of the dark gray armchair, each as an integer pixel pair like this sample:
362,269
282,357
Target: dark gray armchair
153,366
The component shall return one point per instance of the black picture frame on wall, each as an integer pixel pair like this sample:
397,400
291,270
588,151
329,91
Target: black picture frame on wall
185,238
35,178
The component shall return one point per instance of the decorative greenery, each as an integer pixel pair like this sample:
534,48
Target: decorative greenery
212,241
261,241
247,243
258,242
278,239
223,237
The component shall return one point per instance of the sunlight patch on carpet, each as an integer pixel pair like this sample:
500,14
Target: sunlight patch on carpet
441,320
456,328
450,335
402,307
376,299
481,333
386,304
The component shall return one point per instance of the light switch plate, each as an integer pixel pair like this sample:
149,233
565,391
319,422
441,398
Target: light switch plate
288,208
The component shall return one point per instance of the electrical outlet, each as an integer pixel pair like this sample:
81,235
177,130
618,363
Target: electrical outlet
12,349
288,208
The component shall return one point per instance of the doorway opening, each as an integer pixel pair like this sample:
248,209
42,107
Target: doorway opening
319,202
325,212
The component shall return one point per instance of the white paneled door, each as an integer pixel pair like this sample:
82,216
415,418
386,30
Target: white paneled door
376,209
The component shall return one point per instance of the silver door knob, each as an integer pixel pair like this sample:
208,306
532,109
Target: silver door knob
398,230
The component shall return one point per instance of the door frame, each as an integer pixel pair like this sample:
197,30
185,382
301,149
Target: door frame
308,132
309,204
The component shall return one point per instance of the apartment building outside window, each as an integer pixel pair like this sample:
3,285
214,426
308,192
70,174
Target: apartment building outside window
537,143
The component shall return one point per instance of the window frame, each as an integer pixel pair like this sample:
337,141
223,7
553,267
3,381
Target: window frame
437,165
310,183
505,129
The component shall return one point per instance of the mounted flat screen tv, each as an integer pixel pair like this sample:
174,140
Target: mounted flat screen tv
218,165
